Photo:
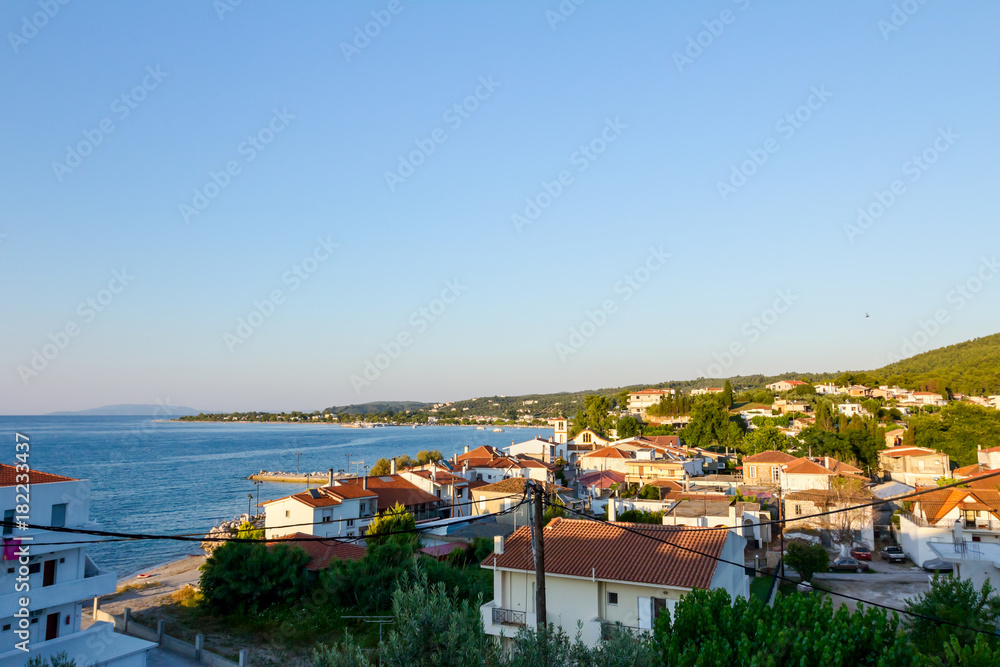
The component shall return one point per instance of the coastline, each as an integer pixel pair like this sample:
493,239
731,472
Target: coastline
320,423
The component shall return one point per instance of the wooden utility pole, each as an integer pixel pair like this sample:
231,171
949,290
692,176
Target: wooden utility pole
537,544
781,527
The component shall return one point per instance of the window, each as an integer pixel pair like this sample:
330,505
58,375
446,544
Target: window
59,515
752,471
459,492
586,438
34,568
8,516
287,514
798,509
350,523
775,473
327,519
6,627
350,533
612,598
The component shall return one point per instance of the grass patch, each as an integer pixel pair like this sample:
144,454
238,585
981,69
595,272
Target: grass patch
189,597
760,586
133,588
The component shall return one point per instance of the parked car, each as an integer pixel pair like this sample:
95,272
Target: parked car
861,552
893,553
847,564
938,565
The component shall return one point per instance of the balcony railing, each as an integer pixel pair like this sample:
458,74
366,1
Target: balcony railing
608,629
508,617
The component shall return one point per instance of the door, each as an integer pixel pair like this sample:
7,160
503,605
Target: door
51,626
49,574
659,606
646,613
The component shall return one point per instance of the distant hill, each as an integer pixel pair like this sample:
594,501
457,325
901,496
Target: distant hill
377,407
131,410
972,367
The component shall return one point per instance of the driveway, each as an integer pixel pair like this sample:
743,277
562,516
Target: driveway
890,590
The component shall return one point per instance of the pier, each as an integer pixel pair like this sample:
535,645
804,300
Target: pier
320,478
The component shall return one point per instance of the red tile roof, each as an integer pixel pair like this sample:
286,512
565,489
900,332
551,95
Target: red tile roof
609,453
515,485
321,552
8,476
806,467
601,478
483,452
327,496
581,548
393,489
770,456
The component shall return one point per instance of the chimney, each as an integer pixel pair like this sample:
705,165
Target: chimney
364,482
732,515
466,449
330,480
434,473
612,510
392,466
498,544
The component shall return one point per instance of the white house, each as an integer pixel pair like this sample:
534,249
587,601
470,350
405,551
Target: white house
816,473
327,511
743,518
435,480
784,385
976,561
539,449
933,516
829,388
43,587
640,401
988,458
851,409
598,574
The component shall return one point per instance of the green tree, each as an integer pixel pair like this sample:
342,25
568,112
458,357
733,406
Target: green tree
393,525
248,531
727,395
806,558
764,439
429,456
707,629
649,492
956,601
381,467
627,427
247,577
429,628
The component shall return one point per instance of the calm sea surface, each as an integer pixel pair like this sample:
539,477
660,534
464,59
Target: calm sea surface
174,478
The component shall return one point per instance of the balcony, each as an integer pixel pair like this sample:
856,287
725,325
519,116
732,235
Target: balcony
509,617
96,583
607,629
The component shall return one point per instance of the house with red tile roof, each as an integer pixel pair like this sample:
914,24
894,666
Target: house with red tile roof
764,468
988,458
438,481
597,575
802,506
391,490
326,511
944,515
784,385
816,473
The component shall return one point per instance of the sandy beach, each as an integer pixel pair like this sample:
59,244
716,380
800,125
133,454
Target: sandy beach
147,593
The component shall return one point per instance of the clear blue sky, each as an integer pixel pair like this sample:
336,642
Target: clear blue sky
678,128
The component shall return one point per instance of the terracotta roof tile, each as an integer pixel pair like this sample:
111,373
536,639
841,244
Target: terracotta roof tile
322,552
770,456
8,476
393,489
516,485
581,548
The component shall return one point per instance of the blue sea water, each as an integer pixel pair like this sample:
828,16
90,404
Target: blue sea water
173,478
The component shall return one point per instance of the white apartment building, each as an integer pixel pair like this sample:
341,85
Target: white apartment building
44,584
327,511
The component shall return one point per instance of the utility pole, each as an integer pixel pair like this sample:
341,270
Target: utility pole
297,455
537,544
781,527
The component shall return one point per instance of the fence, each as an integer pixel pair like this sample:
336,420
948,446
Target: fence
125,625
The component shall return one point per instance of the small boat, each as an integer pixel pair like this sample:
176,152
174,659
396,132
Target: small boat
498,430
480,428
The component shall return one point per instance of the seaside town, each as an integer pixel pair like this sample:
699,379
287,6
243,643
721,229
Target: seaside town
628,514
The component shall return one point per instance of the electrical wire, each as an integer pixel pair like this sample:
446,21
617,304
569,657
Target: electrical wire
629,529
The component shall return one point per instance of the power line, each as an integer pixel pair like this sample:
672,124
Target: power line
627,528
